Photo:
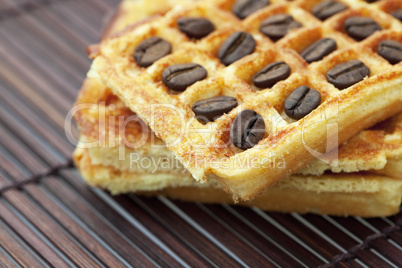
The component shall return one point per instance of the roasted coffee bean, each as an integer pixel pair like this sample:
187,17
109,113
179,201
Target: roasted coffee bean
243,8
235,47
195,27
277,26
180,76
210,109
247,129
397,14
390,50
319,50
151,50
361,27
301,102
347,74
326,9
271,74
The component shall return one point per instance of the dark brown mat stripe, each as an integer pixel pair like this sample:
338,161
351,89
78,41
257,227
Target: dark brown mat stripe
37,177
20,7
50,218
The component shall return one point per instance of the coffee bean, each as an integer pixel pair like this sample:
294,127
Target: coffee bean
210,109
235,47
247,129
397,14
151,50
327,9
195,27
271,74
243,8
390,50
277,26
319,50
361,27
180,76
347,74
301,102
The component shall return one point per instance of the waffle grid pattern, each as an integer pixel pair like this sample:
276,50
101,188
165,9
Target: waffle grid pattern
200,145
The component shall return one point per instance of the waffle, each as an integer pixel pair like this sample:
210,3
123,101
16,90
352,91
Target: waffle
106,159
206,150
152,169
357,194
378,151
370,195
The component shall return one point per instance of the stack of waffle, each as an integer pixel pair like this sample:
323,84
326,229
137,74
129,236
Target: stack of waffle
162,108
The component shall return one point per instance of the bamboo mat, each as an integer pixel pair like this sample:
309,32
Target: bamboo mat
50,218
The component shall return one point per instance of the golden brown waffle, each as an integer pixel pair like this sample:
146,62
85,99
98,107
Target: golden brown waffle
111,164
148,170
379,150
356,194
203,151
